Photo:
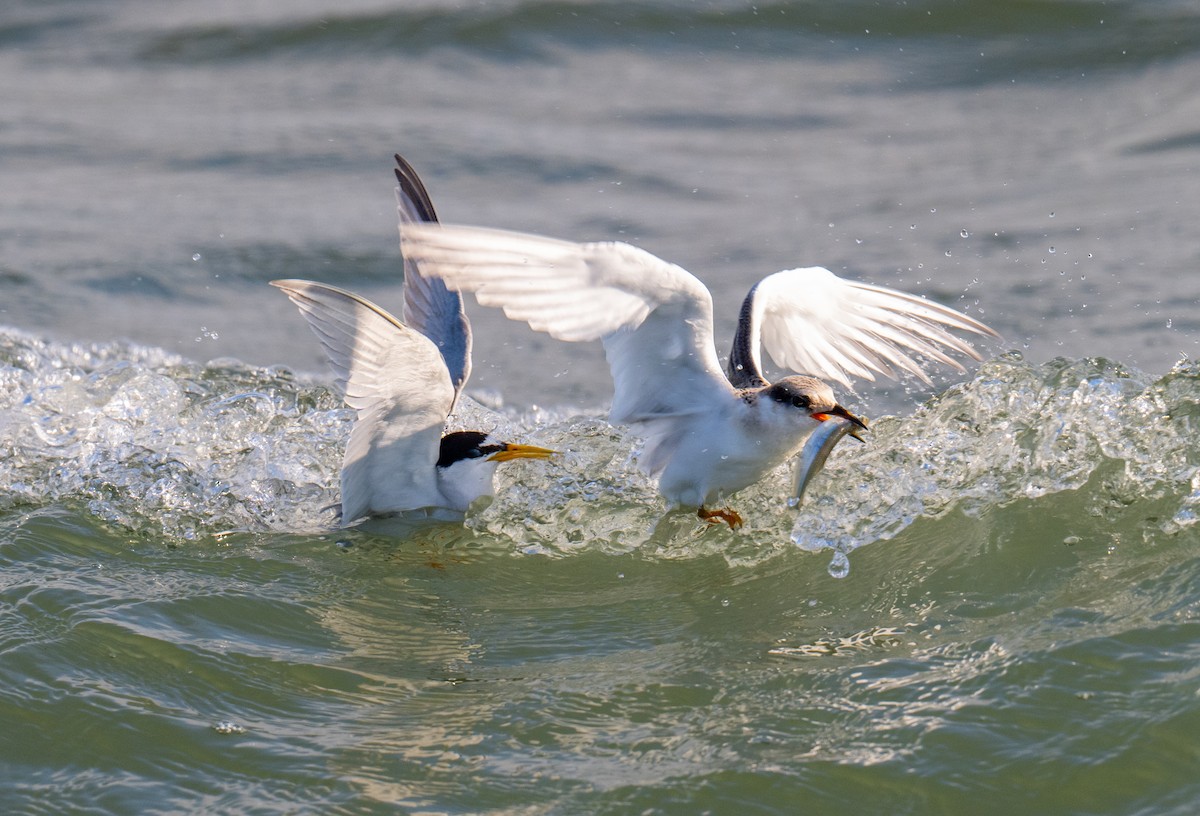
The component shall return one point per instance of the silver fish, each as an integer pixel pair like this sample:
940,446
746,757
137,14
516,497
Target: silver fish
816,450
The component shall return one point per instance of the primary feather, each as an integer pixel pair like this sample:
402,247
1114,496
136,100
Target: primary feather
430,307
812,321
654,318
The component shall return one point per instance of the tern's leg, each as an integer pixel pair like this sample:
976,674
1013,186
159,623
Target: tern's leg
726,515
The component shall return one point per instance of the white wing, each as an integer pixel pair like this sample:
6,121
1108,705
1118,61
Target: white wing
813,322
655,319
429,307
396,382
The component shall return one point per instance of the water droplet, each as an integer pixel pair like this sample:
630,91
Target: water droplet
912,226
724,602
1052,213
964,234
1051,250
947,253
226,727
196,256
933,209
839,565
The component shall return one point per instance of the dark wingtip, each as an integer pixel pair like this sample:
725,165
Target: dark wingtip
743,371
413,189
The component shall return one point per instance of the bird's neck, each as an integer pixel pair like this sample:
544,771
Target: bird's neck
465,481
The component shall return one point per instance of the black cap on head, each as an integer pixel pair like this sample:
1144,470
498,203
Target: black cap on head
462,445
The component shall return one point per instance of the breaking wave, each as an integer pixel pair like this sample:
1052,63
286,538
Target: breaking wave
161,446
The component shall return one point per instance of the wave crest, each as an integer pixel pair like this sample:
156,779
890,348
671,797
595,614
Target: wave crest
162,446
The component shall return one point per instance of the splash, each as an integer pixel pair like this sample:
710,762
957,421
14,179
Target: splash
163,446
154,443
1015,432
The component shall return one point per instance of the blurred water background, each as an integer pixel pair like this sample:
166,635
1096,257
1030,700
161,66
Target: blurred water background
180,631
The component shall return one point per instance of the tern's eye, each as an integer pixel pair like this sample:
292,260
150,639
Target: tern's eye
474,453
800,401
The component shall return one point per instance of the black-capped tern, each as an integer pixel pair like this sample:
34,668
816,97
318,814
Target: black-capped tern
402,382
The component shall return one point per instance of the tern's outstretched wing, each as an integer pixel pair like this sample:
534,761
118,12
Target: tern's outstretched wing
813,322
429,307
655,319
396,382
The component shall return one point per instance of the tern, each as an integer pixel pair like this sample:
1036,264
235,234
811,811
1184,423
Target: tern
402,382
708,432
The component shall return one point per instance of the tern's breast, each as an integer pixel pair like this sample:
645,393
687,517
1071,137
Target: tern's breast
721,455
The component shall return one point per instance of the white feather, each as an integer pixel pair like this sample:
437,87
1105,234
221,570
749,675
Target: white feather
654,318
813,322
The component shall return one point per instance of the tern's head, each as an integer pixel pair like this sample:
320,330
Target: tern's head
809,395
471,445
467,460
466,446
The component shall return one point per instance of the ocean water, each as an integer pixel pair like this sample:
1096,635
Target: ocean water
991,607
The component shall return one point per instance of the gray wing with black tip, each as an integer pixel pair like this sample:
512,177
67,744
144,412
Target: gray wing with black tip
429,306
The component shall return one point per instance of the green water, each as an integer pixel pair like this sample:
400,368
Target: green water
1019,630
180,631
968,665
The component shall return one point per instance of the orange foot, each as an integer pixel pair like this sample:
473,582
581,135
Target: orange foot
726,515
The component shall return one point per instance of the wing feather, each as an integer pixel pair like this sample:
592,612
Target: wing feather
397,383
654,318
811,321
429,307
